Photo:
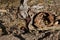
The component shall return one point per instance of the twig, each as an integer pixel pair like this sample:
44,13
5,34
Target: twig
1,10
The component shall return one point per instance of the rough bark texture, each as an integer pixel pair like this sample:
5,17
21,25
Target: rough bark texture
29,19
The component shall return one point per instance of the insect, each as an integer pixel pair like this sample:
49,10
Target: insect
42,19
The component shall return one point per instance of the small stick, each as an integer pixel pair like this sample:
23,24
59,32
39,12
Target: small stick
1,10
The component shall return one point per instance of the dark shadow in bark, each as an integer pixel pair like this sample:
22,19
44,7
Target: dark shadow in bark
3,28
46,35
20,37
58,21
